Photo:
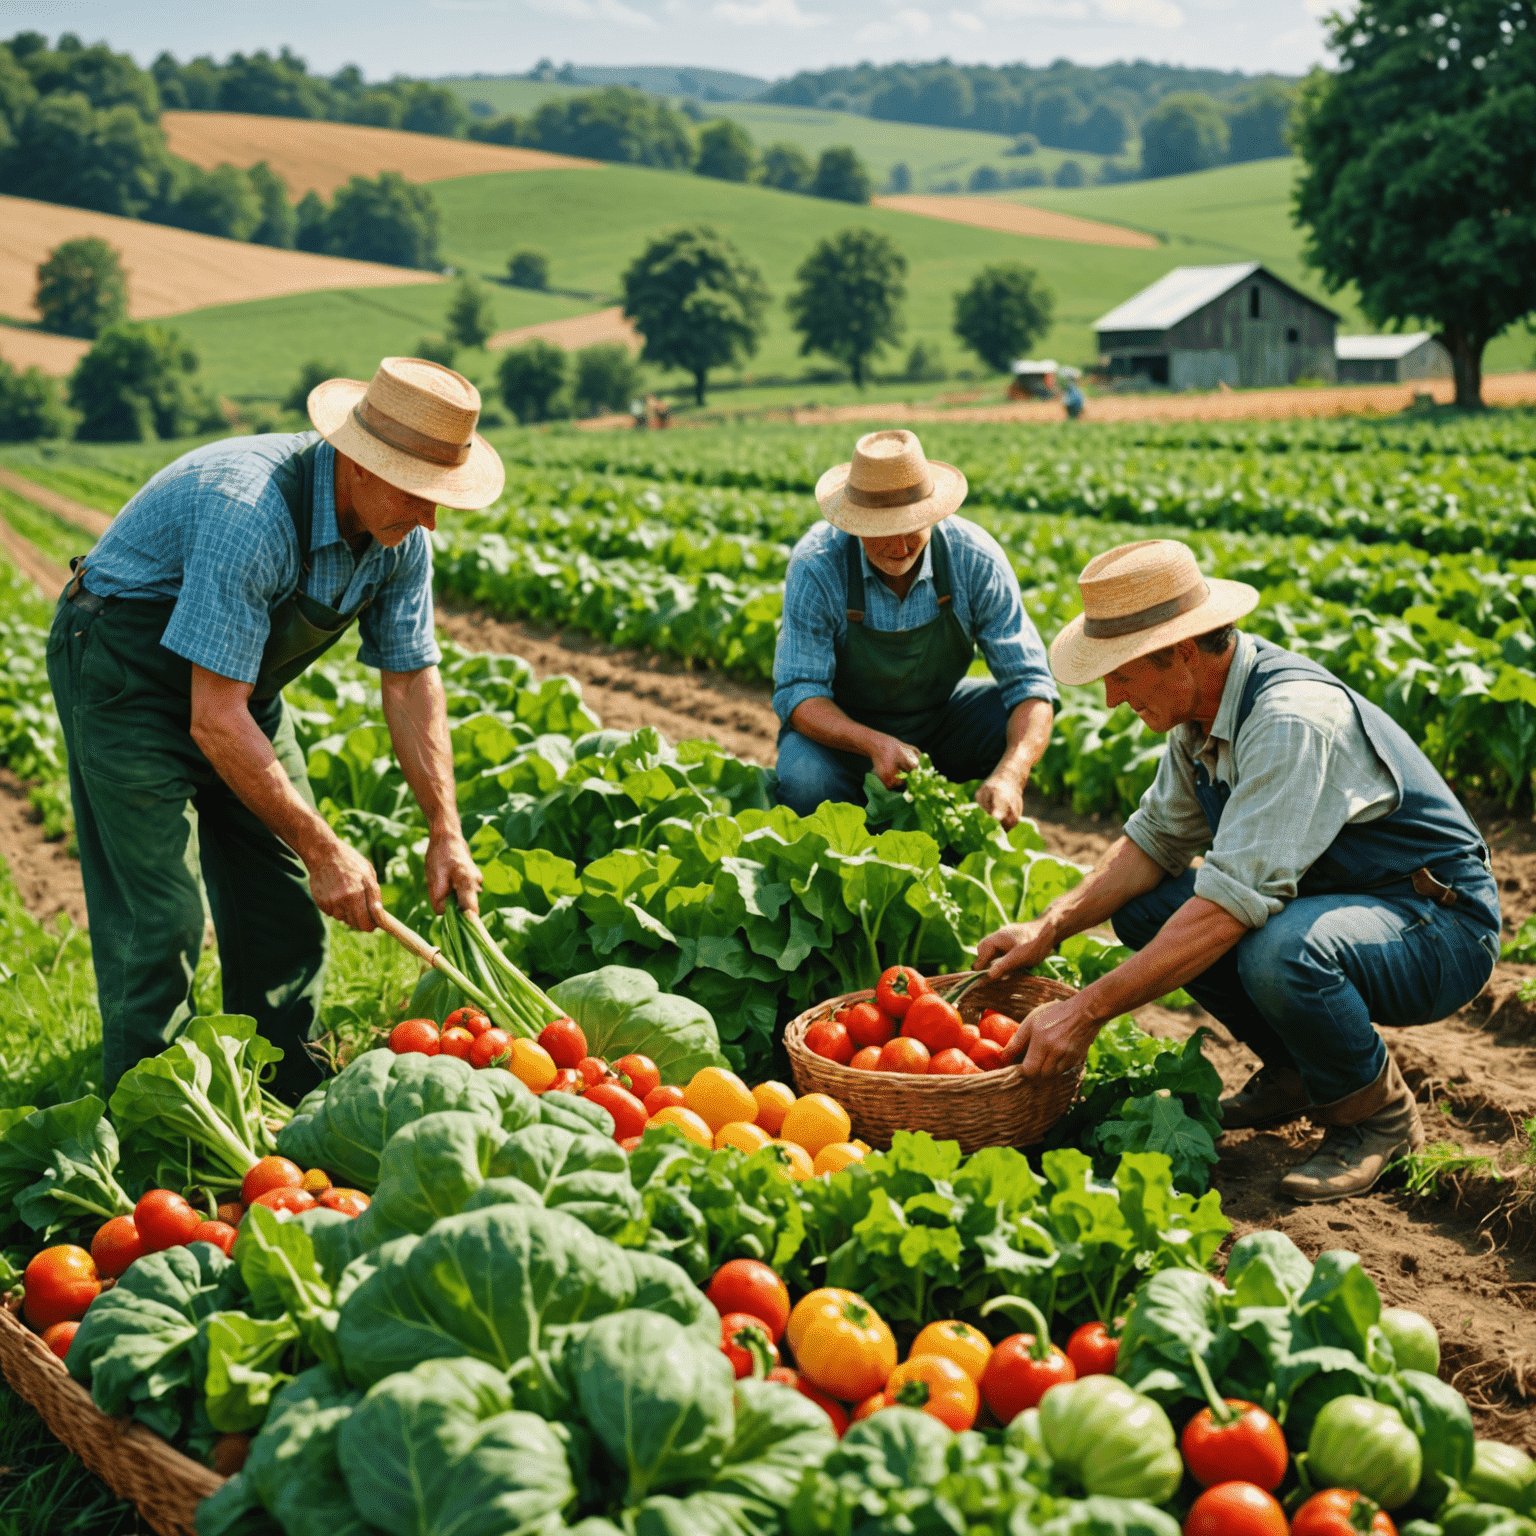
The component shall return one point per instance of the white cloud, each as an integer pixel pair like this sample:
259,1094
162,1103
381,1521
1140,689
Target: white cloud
1145,13
767,13
597,10
966,22
908,25
1035,10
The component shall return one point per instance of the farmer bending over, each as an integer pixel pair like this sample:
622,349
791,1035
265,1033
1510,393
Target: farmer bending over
883,610
222,580
1342,880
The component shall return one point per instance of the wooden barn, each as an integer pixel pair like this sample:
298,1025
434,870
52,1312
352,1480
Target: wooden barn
1391,359
1200,327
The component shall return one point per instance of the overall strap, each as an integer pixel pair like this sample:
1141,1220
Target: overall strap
941,585
855,581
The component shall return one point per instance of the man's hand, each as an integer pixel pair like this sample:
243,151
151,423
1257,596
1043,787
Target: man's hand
1016,947
345,887
1002,796
892,760
449,867
1053,1039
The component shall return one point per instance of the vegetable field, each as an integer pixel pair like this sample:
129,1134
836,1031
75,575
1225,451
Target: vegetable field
483,1281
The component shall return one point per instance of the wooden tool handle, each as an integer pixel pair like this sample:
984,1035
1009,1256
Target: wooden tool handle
412,940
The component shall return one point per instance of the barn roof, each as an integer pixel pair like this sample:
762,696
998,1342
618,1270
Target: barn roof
1179,293
1378,349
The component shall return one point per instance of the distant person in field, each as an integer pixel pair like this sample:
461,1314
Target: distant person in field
229,573
1343,882
885,605
1072,398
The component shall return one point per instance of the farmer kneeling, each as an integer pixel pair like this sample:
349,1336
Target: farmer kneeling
884,605
1342,880
222,580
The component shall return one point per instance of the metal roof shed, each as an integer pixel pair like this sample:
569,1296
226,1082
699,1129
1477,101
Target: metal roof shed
1391,359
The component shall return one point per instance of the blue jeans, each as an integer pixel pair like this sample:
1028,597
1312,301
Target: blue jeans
1301,991
966,742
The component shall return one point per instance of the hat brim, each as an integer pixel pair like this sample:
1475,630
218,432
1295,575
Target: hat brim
466,487
1079,658
949,491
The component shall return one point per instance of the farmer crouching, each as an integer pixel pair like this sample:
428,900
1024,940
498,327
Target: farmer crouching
884,606
1342,880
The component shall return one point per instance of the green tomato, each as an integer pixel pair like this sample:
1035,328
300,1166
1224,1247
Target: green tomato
1359,1444
1111,1440
1415,1344
1485,1520
1503,1475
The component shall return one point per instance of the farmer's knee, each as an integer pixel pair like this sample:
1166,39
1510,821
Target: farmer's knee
1277,967
811,774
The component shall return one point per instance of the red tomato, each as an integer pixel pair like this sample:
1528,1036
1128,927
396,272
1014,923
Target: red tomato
898,988
903,1054
748,1285
456,1042
115,1246
1328,1514
831,1040
593,1070
60,1284
867,1025
1093,1352
1248,1448
1014,1380
998,1027
418,1036
567,1080
219,1233
867,1060
165,1220
988,1056
564,1041
931,1020
270,1173
233,1212
492,1049
290,1200
953,1063
60,1336
830,1406
628,1112
668,1096
737,1332
350,1202
475,1020
643,1074
1235,1509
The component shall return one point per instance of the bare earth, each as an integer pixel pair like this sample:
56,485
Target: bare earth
56,355
319,157
172,270
1018,219
602,325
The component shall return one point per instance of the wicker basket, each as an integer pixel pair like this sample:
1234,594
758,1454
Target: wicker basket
134,1463
988,1109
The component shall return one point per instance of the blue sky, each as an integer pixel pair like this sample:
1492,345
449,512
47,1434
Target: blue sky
762,37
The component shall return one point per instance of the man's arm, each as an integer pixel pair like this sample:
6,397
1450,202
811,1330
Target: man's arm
340,878
1029,734
417,716
823,721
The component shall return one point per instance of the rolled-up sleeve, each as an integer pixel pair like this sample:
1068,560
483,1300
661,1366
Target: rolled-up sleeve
805,658
396,628
1169,825
1014,653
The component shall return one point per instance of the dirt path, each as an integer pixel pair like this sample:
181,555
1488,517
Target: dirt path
601,326
87,519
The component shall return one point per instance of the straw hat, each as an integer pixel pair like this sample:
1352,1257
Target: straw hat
413,426
889,487
1137,599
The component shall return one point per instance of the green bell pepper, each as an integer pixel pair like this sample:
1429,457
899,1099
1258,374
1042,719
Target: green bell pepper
1356,1443
1415,1344
1485,1520
1111,1440
1503,1475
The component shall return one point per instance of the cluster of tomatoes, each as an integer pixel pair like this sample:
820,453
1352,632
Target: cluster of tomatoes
61,1282
910,1028
845,1358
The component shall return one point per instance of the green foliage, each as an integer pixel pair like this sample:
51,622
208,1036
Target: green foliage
64,150
528,269
310,223
389,220
1069,174
437,349
219,202
532,378
136,383
623,1011
699,302
786,168
471,318
841,176
278,223
1186,133
849,298
726,152
607,378
81,288
614,124
1260,122
29,405
310,374
1003,312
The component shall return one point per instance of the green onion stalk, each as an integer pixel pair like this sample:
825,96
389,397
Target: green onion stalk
487,978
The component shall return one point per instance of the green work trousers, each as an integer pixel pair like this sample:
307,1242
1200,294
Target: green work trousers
158,828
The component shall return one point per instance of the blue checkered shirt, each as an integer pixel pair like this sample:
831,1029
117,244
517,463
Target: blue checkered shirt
213,532
985,599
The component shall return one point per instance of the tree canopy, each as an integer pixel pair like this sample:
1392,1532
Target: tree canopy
786,167
136,384
848,302
842,176
1002,313
532,379
1419,159
1187,133
726,151
390,220
81,289
471,320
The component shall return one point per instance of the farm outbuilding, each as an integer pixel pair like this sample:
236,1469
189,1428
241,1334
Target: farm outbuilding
1201,327
1391,359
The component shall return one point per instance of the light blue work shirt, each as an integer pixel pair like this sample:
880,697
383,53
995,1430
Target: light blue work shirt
212,531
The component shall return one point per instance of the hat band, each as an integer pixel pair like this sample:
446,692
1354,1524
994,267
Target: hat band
407,439
1146,618
902,496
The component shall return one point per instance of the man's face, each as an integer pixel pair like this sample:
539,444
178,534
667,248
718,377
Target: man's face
387,512
897,555
1162,697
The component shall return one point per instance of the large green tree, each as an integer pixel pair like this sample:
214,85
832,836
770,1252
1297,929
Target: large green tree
726,151
81,289
786,168
471,319
1419,162
1186,133
1003,312
842,176
697,300
136,384
848,302
389,220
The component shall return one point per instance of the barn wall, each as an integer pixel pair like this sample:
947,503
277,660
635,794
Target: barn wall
1204,370
1428,360
1290,338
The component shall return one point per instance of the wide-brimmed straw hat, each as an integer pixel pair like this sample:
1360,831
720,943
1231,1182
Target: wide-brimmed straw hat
1138,598
413,425
889,487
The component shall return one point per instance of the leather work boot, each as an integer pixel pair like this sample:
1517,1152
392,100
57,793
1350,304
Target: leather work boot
1271,1096
1366,1130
